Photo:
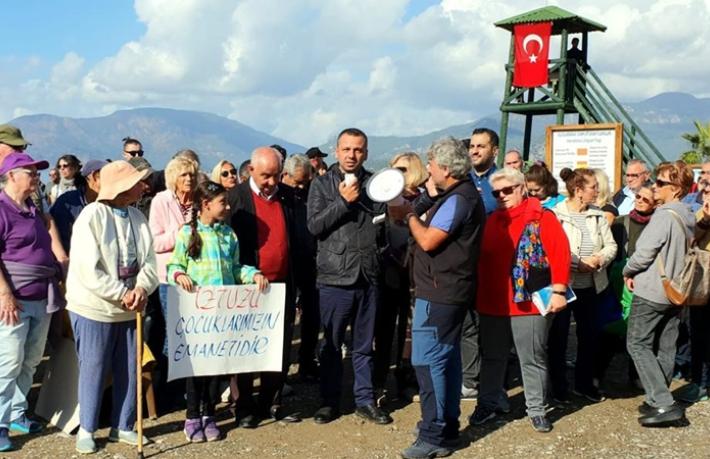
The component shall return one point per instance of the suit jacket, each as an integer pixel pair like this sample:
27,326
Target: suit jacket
243,222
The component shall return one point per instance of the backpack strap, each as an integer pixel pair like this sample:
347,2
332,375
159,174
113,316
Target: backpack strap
688,243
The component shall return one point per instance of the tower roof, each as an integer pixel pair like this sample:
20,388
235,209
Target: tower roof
561,19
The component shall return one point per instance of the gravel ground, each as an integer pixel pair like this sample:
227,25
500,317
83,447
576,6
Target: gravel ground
607,429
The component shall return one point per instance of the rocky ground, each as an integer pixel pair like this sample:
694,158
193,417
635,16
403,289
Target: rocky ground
607,429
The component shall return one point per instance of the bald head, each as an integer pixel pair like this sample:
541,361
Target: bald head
265,169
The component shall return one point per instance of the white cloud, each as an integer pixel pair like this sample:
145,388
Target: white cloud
305,69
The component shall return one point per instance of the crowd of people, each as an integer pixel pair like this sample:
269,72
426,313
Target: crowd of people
445,290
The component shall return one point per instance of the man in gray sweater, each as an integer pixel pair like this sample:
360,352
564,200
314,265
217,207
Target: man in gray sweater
653,319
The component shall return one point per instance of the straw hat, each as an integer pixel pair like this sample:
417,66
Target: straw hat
118,177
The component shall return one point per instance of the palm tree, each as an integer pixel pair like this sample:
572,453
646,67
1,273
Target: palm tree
700,143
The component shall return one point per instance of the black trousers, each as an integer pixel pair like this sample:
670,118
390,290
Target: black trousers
310,319
393,315
201,393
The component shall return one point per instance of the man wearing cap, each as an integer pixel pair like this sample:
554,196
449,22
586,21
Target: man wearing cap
68,206
316,156
29,291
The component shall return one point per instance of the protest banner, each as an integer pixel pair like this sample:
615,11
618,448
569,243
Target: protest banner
219,330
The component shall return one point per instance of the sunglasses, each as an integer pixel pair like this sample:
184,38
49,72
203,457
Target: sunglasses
661,183
402,169
505,191
644,199
134,153
229,172
64,166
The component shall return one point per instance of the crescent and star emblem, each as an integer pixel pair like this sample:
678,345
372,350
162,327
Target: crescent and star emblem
534,38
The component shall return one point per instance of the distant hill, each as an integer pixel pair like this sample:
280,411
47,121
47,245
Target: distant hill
162,131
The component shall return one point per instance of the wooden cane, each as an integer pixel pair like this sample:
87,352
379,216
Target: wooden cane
139,384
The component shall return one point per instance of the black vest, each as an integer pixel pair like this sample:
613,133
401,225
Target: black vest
448,274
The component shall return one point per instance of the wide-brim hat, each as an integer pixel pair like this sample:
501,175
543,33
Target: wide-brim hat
11,135
18,159
118,177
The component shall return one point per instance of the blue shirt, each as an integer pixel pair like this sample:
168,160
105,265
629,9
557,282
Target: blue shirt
65,211
450,214
695,200
627,205
484,189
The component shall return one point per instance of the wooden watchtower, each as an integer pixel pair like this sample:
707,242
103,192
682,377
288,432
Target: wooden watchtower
573,86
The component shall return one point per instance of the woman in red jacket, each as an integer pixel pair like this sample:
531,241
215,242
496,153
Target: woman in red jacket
524,249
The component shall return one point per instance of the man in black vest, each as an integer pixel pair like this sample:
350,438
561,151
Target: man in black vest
445,260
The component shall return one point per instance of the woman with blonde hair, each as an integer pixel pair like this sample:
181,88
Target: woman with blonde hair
225,174
396,289
169,211
603,201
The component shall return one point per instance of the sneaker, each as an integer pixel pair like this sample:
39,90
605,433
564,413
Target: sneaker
85,445
423,450
210,429
592,394
692,393
468,393
481,415
5,443
126,436
194,433
25,425
541,424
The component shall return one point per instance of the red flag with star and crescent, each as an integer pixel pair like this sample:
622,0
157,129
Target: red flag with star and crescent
532,46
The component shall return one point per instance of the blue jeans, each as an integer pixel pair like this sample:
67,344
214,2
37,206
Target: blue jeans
436,358
340,306
103,348
21,349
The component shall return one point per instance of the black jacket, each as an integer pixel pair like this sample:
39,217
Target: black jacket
348,242
448,274
243,222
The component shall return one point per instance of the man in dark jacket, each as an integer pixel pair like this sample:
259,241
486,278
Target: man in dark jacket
262,219
445,260
340,216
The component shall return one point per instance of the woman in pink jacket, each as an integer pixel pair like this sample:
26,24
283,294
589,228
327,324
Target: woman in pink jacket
169,211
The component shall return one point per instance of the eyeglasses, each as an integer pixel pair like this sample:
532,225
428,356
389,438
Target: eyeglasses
63,166
704,172
134,153
644,199
229,172
505,191
661,183
635,175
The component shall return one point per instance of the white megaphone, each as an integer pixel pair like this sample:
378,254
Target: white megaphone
387,186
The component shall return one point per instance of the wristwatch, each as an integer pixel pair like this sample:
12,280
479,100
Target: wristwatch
559,292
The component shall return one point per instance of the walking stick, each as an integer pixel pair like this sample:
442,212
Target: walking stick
139,385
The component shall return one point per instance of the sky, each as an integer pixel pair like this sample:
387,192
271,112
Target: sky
304,69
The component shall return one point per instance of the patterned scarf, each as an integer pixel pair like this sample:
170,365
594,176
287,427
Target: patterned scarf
529,255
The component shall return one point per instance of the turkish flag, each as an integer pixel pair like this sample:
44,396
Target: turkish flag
532,46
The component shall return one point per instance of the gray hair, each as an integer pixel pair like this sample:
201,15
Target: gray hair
639,162
510,174
451,154
295,162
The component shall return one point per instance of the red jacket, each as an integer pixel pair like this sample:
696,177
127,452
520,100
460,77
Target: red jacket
500,239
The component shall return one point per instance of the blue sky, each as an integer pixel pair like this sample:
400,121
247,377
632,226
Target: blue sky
302,69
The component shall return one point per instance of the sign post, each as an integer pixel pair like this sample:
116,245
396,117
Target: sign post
229,329
597,146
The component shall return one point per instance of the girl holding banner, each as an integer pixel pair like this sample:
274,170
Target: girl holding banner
207,253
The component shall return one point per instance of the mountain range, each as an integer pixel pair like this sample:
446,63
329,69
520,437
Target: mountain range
164,131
